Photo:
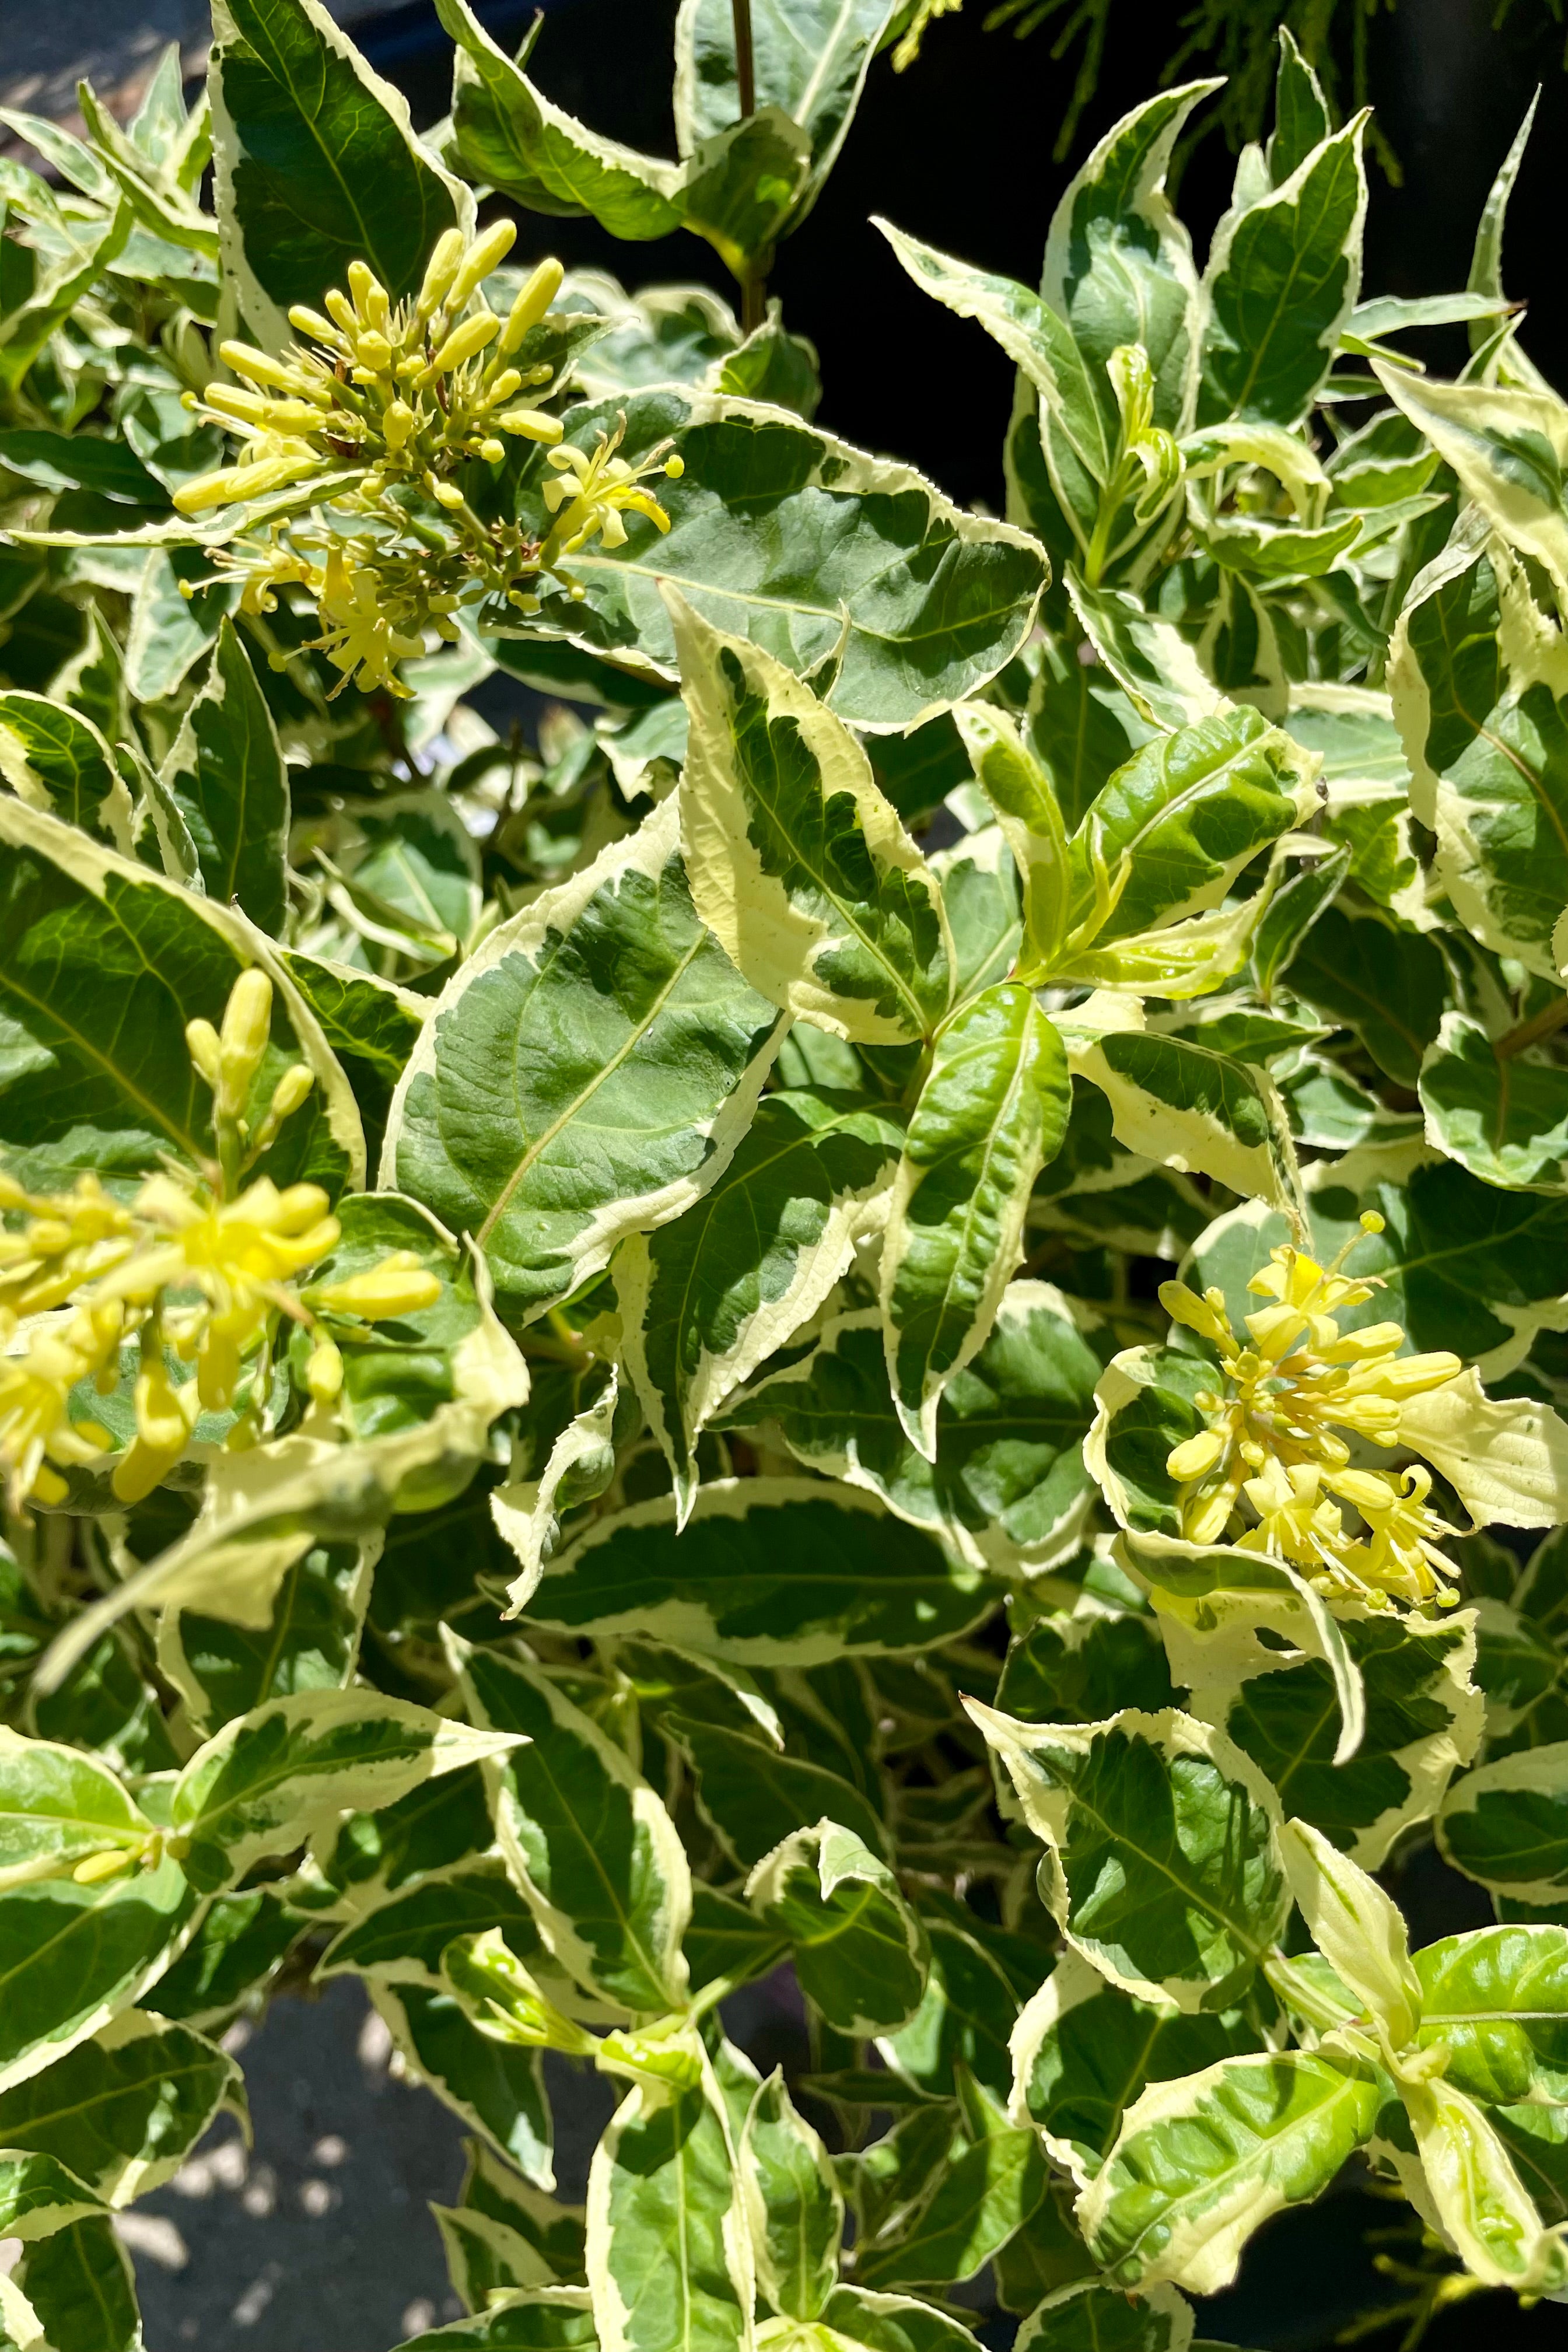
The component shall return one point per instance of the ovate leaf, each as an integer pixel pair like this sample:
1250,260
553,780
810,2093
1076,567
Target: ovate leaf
81,928
668,2248
1083,2052
317,163
794,2207
705,1300
589,1843
861,1953
798,864
226,778
1161,1864
268,1781
1201,2163
586,1074
54,758
992,1112
1282,280
784,1572
919,604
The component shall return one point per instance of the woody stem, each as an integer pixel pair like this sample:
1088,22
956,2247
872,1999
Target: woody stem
1532,1032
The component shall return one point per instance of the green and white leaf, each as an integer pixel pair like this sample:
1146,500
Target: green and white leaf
1161,1862
588,1841
317,164
551,1117
1254,2135
798,864
860,1952
992,1112
1083,2050
706,1300
767,1571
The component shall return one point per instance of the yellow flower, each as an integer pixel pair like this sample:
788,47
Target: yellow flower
590,491
34,1393
1271,1446
359,637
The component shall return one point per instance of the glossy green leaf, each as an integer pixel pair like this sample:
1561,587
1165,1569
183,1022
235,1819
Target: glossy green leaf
114,1094
1281,281
991,1114
861,1953
317,163
1188,812
1161,1864
80,2284
54,759
1497,2000
981,2201
798,864
794,2207
226,778
754,1799
496,2088
542,2319
1480,703
268,1780
1083,2050
775,1570
809,58
125,2110
57,1807
309,1643
586,1074
1088,2317
1119,265
1008,1489
707,1299
921,604
72,1956
588,1841
668,2252
1507,1825
1254,2135
1192,1108
506,134
1505,1121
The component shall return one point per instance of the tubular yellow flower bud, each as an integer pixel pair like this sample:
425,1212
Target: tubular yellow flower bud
532,424
446,493
397,424
310,322
247,360
673,468
390,1288
532,303
342,310
201,1044
108,1864
1195,1456
324,1371
289,1092
247,1025
369,293
482,257
464,341
443,266
492,451
501,388
375,352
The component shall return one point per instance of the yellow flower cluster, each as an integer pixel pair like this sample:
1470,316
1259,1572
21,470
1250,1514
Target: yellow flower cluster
194,1272
406,393
1271,1471
382,406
